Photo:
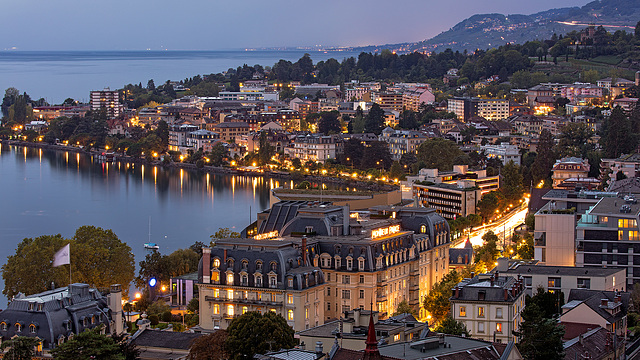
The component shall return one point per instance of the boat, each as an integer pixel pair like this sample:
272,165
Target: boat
151,246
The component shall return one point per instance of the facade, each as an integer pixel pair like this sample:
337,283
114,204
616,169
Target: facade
505,152
55,316
562,278
580,92
403,141
200,138
183,289
178,136
413,98
490,109
241,275
489,306
607,236
453,194
314,148
628,164
232,130
248,96
392,101
107,99
569,168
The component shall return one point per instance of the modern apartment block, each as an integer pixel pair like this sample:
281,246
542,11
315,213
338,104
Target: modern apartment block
490,109
453,194
106,99
489,305
608,236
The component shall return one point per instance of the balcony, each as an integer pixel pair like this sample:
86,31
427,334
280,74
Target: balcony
239,300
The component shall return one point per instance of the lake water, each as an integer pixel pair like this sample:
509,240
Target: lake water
57,75
54,192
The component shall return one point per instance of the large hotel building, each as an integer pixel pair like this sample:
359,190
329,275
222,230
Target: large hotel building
312,262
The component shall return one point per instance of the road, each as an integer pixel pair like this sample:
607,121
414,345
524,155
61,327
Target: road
503,227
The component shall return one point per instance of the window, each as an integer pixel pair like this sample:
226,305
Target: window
423,229
543,257
328,306
396,337
361,279
259,265
245,309
481,327
273,282
3,326
290,315
346,279
216,263
328,276
18,327
229,294
229,279
463,311
361,264
274,266
328,291
633,235
349,263
527,281
258,281
245,280
290,282
346,294
584,283
499,327
289,299
361,294
499,313
308,229
230,310
32,306
481,311
306,313
338,263
245,264
554,283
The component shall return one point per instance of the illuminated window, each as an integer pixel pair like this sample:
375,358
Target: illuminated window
499,327
216,309
216,293
480,311
229,279
290,315
633,235
216,263
289,299
306,313
423,229
396,337
230,310
229,294
245,309
290,282
463,311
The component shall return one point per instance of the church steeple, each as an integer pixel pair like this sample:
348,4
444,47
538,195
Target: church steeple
371,351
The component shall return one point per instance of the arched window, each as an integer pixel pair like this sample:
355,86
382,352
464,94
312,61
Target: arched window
216,263
258,281
274,266
18,327
32,328
245,280
3,326
245,264
230,279
259,265
273,282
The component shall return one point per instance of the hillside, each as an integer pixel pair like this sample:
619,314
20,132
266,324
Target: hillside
490,30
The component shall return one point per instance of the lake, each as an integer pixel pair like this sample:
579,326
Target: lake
54,192
57,75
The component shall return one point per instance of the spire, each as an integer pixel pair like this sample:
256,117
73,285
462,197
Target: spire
371,351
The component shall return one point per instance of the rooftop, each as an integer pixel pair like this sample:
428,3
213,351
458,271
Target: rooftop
618,207
560,270
434,347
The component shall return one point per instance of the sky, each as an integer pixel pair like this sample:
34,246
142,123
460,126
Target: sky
220,25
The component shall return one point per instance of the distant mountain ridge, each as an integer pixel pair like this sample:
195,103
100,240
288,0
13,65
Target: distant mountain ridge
484,31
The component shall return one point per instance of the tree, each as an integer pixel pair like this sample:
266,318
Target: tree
575,140
452,327
437,302
266,150
90,344
439,154
193,306
20,348
404,308
525,249
163,133
209,347
329,122
224,233
542,165
619,138
511,184
247,335
374,122
540,336
487,254
128,348
376,156
488,204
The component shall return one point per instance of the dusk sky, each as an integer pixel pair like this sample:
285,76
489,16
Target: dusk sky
216,24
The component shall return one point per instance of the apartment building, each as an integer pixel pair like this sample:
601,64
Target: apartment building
412,98
490,306
313,148
562,278
628,164
452,194
106,99
569,168
607,236
402,141
581,92
249,95
232,130
392,101
178,136
505,152
490,109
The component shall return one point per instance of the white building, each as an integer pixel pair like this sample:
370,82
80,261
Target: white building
313,148
505,152
107,99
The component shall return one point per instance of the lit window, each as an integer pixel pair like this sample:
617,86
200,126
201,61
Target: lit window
216,309
245,309
499,327
306,313
229,294
216,293
230,310
290,315
289,299
481,311
216,263
396,337
463,311
229,279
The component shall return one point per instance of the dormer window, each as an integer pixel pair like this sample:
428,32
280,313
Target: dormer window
308,229
245,280
258,281
230,279
216,263
423,229
245,264
349,263
18,327
40,306
230,264
338,262
290,282
3,326
274,266
273,282
361,264
259,265
32,328
32,306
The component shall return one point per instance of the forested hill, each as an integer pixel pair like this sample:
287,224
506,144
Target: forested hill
485,31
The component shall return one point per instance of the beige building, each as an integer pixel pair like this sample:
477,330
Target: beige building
489,305
569,168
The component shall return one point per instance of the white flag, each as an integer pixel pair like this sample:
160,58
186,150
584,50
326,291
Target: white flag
62,257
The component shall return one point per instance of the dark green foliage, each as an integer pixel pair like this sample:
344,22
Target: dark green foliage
376,156
546,157
440,154
619,137
20,348
374,121
437,302
247,335
511,183
329,122
452,327
90,344
540,334
404,308
155,319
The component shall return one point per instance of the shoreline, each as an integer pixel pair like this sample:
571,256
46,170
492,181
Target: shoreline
371,186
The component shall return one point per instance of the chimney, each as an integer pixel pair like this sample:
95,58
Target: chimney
356,317
506,294
454,292
206,265
491,279
304,250
457,292
224,259
346,216
473,274
604,302
581,339
319,349
503,264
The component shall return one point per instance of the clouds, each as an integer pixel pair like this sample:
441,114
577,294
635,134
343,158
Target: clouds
216,24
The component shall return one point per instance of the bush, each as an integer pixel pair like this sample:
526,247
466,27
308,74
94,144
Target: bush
200,163
166,316
154,319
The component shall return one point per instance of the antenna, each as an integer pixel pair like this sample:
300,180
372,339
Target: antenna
149,229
